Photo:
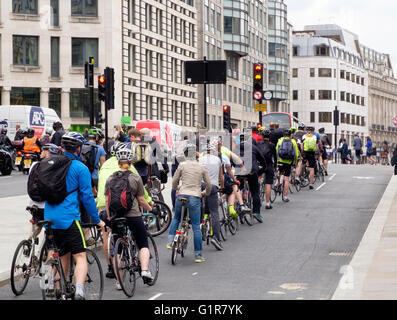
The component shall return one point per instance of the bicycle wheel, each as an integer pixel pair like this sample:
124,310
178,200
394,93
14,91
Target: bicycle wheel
249,217
163,219
52,282
174,254
223,224
297,186
322,172
20,267
124,268
233,225
94,281
154,262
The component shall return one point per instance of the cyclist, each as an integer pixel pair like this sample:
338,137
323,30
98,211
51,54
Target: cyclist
134,216
275,132
190,173
108,168
269,152
298,138
255,134
5,142
310,143
324,144
288,153
66,215
252,157
214,167
59,132
30,142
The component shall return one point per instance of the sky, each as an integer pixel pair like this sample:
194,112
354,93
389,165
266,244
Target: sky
374,22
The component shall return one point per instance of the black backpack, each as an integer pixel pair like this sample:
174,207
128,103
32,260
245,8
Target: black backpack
88,155
120,194
47,181
286,151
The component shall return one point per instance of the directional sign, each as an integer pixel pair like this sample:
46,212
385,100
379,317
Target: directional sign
260,107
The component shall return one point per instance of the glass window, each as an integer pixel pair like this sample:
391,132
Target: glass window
325,117
80,101
325,95
342,74
312,94
342,96
312,117
82,49
54,100
24,6
54,57
295,95
325,72
25,96
312,72
26,50
88,8
295,73
54,13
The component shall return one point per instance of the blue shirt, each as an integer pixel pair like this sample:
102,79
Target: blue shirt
64,213
99,153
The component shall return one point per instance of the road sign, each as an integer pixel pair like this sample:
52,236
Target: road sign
205,72
258,95
268,95
261,107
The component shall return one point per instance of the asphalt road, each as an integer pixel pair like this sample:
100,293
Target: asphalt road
297,253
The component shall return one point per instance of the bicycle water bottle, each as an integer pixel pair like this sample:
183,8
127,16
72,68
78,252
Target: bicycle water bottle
44,278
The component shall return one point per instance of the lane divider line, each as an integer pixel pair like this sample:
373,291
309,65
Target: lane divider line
322,185
156,296
333,176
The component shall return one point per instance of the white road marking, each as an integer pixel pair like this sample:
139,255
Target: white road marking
156,296
333,176
276,292
363,178
322,185
294,286
194,273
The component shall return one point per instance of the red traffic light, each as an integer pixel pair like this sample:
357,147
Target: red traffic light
101,79
225,108
258,67
259,125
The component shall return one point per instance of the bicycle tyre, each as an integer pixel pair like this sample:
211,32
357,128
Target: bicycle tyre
174,253
57,294
15,279
223,224
127,278
94,272
249,218
154,261
163,221
297,186
233,226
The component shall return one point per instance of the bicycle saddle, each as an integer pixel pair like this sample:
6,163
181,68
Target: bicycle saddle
184,200
119,220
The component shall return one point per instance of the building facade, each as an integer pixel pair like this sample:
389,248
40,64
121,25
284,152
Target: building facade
328,72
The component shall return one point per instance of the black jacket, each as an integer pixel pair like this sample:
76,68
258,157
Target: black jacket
57,137
275,135
271,156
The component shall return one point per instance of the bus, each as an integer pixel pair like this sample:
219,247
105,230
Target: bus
284,120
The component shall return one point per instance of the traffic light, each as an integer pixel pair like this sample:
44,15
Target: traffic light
226,118
101,88
109,75
258,81
259,125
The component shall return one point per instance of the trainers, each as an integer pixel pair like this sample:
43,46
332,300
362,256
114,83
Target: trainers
258,217
90,242
268,206
285,199
217,244
311,187
244,208
147,277
233,212
78,296
118,286
199,259
169,246
110,274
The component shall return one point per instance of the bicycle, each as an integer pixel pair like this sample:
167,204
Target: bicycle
293,181
226,222
320,171
247,199
179,244
56,285
277,188
159,219
25,263
126,258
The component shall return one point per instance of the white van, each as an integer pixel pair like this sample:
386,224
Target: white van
38,118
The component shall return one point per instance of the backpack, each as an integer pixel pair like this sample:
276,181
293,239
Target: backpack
141,151
88,155
120,194
310,143
286,151
47,181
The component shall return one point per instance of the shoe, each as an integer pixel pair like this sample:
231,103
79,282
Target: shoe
217,244
311,187
326,172
147,277
233,212
78,297
258,217
110,274
118,286
90,242
297,181
199,259
243,208
268,206
169,246
285,199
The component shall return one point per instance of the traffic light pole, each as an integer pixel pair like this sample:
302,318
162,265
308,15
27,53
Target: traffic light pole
91,90
205,92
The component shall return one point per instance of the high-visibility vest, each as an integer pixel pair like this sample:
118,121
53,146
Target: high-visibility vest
30,144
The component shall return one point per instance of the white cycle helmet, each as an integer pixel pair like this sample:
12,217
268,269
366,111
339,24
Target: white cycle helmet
125,155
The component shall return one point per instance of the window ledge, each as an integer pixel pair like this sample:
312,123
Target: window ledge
80,70
84,19
59,79
18,68
24,16
55,28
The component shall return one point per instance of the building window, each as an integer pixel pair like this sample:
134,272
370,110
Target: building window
295,73
325,95
312,94
358,79
347,97
312,117
25,96
295,114
85,8
82,49
347,118
353,77
54,57
348,76
342,96
295,51
322,51
24,6
342,117
325,72
54,100
362,81
231,25
54,13
295,95
232,65
342,74
312,72
80,102
362,101
26,50
325,117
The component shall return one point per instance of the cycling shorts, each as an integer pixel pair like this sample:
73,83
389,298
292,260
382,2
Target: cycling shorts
138,229
311,158
70,240
285,169
269,174
324,155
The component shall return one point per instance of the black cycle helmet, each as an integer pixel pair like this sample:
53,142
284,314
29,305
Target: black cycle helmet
72,140
287,133
30,133
266,133
56,125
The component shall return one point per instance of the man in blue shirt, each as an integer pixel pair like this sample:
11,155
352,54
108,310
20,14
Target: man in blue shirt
68,234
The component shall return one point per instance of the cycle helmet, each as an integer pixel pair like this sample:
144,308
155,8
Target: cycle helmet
310,128
49,132
266,133
116,147
52,148
56,125
210,147
321,130
72,140
125,155
293,129
30,133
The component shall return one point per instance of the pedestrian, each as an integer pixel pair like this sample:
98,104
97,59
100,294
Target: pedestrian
59,132
344,150
385,153
370,151
119,135
358,147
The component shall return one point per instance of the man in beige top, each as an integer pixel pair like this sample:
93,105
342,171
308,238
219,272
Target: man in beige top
191,174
